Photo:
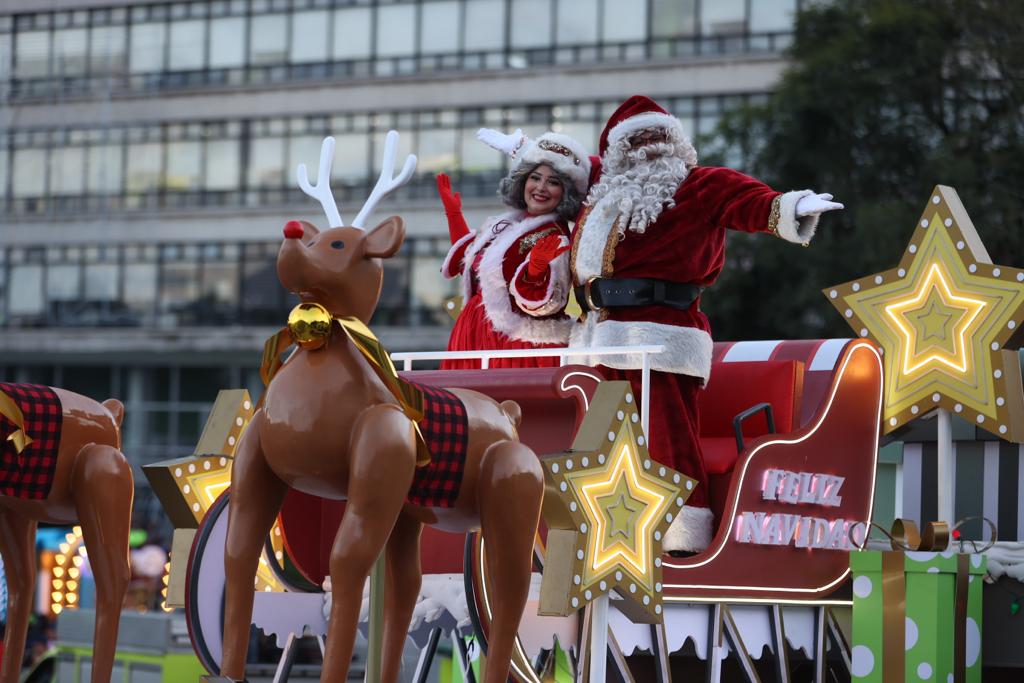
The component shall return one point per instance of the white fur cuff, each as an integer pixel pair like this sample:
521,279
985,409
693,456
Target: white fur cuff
790,227
691,530
557,289
687,349
449,269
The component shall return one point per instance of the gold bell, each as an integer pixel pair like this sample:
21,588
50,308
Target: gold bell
310,325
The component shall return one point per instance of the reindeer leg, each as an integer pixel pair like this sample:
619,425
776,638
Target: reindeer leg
383,457
256,498
510,491
402,587
18,547
102,487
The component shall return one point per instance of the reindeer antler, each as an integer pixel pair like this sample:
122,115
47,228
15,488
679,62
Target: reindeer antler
387,184
322,191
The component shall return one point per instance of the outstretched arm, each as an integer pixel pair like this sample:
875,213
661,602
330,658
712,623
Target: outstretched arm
457,228
541,283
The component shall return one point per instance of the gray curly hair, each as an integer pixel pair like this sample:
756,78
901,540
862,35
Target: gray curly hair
513,186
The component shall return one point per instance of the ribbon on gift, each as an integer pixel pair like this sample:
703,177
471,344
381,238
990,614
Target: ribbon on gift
12,411
904,536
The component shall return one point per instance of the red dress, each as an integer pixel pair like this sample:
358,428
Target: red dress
502,308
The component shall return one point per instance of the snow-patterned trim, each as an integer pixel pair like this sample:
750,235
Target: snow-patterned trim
557,292
596,229
640,122
494,290
450,269
691,530
687,349
790,227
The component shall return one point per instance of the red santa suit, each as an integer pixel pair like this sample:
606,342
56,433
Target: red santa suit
502,307
684,244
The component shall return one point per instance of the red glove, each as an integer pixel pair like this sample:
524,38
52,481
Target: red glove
543,253
457,228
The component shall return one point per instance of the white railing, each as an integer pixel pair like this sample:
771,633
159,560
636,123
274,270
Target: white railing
563,354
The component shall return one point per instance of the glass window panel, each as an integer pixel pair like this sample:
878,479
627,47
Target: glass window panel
309,36
577,21
406,145
222,165
269,43
219,296
6,50
70,51
262,295
89,380
30,179
188,45
227,42
147,47
156,384
305,149
772,15
184,164
674,18
723,17
267,162
179,291
104,169
107,49
63,283
140,287
352,33
202,384
428,290
485,25
25,296
101,282
32,54
67,170
531,23
478,157
439,27
4,159
437,151
143,172
583,131
624,21
351,157
396,26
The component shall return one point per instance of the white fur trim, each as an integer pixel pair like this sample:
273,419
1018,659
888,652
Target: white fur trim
577,170
691,530
687,349
792,228
651,119
495,291
596,230
449,269
557,290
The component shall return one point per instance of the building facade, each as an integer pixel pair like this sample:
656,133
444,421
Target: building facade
148,153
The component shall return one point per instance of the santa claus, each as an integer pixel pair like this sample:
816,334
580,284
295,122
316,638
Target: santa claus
649,239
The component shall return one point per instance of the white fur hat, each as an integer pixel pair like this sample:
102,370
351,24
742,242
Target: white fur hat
561,152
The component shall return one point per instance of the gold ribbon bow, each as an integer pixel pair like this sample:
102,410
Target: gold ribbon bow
904,536
10,409
309,327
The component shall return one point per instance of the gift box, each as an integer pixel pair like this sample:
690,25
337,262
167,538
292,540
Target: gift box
905,608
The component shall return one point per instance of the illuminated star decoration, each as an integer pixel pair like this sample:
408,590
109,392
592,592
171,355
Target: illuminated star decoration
607,506
188,487
944,318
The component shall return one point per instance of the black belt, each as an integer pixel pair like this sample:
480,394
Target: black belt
601,292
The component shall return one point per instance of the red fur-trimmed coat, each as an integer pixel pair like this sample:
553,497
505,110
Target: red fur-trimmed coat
685,244
502,307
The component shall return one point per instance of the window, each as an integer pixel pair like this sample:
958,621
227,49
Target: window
352,33
147,47
184,165
269,41
70,51
104,169
222,165
101,282
485,25
30,180
772,15
304,149
531,23
351,158
188,45
143,172
478,157
32,54
624,22
4,159
227,42
577,20
723,17
25,296
140,288
396,26
439,27
63,282
67,171
309,37
107,45
674,18
266,162
436,151
6,42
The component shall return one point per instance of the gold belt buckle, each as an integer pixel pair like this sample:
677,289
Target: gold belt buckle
587,294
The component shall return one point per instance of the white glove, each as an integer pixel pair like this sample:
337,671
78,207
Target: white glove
509,144
816,204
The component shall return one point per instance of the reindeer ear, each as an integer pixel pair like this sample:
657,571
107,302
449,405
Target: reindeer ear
386,239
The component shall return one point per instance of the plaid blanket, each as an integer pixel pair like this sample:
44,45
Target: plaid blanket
30,474
446,430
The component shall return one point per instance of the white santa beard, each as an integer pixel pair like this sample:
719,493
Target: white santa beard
637,187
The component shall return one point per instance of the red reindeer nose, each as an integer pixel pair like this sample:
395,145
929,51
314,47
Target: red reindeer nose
293,230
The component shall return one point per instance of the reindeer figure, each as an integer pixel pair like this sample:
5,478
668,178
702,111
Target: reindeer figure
330,426
61,463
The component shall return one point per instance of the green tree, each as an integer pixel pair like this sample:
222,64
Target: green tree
883,99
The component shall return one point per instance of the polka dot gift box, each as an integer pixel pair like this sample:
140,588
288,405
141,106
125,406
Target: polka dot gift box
915,641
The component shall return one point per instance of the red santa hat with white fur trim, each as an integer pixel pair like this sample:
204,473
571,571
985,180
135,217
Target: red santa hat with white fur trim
561,152
634,115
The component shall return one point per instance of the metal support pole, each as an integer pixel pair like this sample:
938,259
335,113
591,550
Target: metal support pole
284,665
599,639
946,465
427,657
375,640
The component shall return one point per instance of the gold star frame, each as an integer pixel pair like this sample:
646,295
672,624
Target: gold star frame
607,506
944,319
